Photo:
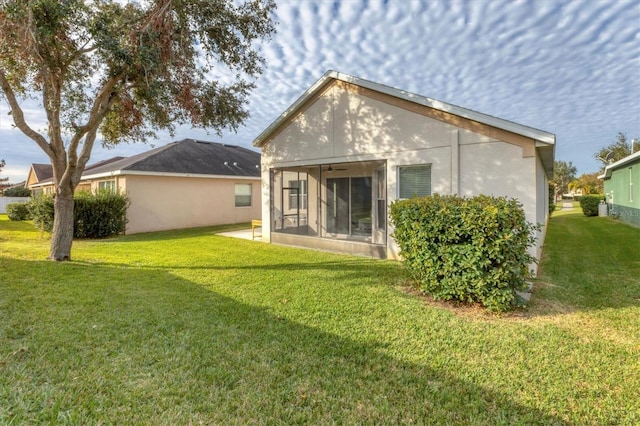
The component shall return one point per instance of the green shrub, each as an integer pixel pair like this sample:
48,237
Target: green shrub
96,215
18,191
18,211
589,204
99,215
41,210
465,249
552,201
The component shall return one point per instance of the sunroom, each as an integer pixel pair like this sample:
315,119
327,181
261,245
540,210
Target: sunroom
339,206
335,160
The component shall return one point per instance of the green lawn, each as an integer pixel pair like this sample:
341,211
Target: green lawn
188,327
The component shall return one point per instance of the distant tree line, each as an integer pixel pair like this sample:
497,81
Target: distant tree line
564,176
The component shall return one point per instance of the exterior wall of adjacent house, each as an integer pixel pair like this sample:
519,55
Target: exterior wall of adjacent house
343,125
31,178
50,188
622,190
165,202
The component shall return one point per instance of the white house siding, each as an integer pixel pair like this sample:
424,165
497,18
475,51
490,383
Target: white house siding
159,202
344,126
498,168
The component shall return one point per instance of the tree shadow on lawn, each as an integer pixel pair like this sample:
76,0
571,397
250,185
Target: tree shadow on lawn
127,345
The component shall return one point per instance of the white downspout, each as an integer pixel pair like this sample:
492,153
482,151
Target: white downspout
455,163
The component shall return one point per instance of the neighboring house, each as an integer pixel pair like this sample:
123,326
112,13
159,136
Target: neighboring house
40,177
39,173
339,155
183,184
622,188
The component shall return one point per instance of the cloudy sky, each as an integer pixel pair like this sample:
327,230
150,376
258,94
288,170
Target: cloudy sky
567,67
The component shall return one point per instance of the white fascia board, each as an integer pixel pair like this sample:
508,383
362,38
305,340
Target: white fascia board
165,174
39,184
530,132
622,162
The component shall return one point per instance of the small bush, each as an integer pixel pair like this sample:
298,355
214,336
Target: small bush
41,210
589,204
466,249
99,215
552,201
18,191
96,215
18,211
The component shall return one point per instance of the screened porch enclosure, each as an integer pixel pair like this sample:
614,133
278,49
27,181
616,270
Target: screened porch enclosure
341,202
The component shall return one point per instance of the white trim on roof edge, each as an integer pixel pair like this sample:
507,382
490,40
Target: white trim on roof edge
143,173
622,162
167,174
540,136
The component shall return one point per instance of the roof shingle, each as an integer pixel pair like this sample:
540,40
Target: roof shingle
189,156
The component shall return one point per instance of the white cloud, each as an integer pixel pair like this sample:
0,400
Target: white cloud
570,68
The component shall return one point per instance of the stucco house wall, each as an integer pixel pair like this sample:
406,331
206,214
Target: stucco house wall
358,129
185,201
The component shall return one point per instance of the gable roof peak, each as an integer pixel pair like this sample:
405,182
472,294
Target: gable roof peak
330,76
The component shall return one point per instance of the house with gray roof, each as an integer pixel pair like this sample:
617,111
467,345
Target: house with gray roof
183,184
334,161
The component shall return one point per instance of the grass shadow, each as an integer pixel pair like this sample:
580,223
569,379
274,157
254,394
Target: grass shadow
139,345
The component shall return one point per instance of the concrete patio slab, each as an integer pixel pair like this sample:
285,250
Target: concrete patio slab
243,234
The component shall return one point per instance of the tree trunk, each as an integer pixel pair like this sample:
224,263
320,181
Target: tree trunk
62,235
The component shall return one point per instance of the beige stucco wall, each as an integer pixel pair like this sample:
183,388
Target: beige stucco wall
165,202
344,126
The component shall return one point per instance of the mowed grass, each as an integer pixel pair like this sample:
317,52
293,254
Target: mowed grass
189,327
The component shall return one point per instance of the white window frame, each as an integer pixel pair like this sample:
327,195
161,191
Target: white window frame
239,202
416,167
107,185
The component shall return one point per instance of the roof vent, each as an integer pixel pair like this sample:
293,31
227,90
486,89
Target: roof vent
226,163
235,163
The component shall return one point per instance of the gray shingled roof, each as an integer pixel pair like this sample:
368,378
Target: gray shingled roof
42,171
189,156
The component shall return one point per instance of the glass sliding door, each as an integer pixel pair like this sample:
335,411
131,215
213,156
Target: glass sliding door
338,206
361,206
349,204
